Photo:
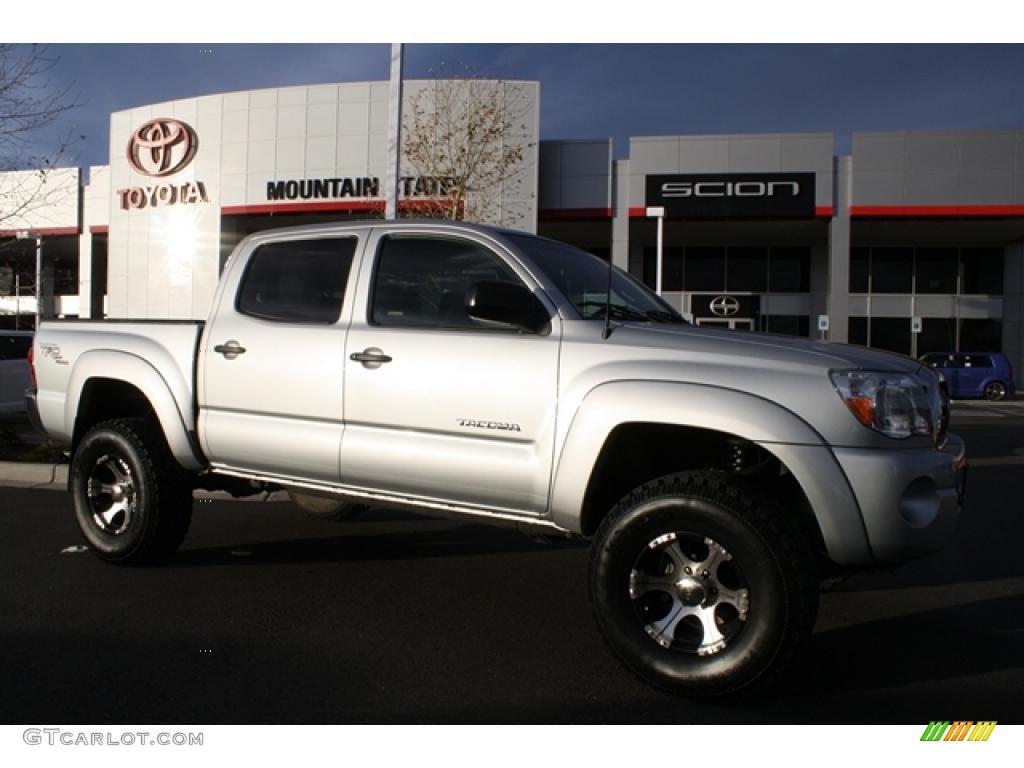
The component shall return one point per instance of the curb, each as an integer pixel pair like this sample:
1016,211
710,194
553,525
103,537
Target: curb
14,474
54,477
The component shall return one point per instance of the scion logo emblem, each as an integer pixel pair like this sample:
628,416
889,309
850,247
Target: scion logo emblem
161,147
725,306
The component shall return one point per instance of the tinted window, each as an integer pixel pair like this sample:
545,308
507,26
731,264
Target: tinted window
14,347
583,280
298,281
937,334
983,270
858,331
981,334
892,271
789,270
671,268
977,361
859,270
936,270
935,361
423,281
705,269
747,270
790,325
892,333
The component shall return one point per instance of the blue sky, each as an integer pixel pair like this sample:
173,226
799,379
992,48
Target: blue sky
590,90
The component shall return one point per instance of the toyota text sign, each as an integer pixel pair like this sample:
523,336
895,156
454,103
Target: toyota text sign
733,195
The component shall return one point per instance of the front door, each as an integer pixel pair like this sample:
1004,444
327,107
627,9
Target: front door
438,405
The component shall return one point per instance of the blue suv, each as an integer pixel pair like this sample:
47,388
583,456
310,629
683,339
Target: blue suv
974,374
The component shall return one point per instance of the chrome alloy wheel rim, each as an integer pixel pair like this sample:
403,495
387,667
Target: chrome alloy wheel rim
995,391
112,494
689,593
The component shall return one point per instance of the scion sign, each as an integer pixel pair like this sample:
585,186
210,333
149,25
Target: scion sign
733,195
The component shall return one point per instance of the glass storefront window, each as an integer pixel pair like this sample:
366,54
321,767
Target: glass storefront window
982,270
892,333
790,325
672,268
859,270
705,268
858,331
981,335
892,270
65,276
790,269
936,270
938,334
747,269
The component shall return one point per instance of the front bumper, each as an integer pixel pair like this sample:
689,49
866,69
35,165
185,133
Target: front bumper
910,500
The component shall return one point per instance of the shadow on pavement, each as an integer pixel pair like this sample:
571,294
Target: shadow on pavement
459,541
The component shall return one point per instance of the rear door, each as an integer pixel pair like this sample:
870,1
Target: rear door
272,366
438,405
974,372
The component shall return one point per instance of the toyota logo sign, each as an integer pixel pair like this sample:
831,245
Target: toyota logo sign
724,306
162,147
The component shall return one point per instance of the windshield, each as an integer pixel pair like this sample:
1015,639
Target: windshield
583,278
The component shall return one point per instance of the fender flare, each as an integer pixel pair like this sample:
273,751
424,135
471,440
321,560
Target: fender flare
163,395
779,431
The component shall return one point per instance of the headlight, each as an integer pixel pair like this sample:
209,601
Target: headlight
896,404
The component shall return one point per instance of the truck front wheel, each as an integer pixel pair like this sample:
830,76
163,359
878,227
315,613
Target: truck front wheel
699,587
132,502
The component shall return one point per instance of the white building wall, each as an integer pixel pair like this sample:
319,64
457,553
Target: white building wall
164,259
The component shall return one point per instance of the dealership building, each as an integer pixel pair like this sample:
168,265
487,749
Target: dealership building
913,242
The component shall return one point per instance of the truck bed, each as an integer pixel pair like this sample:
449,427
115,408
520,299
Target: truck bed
69,352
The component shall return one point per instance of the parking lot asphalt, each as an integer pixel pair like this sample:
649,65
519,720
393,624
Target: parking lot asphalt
266,615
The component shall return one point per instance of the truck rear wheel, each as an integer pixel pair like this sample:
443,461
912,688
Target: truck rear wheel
700,588
132,502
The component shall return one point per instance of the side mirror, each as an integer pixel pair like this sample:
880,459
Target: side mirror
508,303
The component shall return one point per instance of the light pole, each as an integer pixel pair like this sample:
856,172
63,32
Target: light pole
25,234
658,212
394,132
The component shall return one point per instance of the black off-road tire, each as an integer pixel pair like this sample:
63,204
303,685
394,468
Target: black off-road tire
640,566
994,391
133,503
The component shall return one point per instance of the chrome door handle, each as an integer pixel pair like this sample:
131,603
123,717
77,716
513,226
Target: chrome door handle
371,357
230,349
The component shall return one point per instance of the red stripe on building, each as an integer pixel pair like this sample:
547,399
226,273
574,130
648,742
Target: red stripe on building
43,231
99,229
347,206
821,211
935,211
573,214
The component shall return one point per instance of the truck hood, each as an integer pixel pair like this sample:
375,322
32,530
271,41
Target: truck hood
790,372
757,349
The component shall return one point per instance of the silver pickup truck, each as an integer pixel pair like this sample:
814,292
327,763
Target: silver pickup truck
461,370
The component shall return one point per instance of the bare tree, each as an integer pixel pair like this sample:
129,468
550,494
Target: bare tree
29,105
465,142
